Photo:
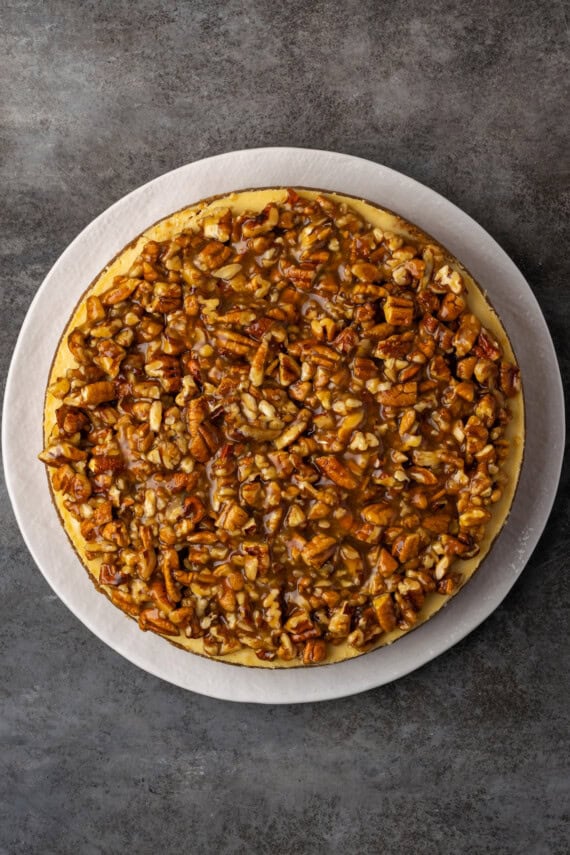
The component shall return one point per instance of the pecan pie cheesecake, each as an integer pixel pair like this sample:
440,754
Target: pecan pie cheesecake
283,427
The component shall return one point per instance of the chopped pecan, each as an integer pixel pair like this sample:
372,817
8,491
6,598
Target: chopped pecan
62,452
487,347
385,612
294,430
394,347
315,651
509,379
152,619
367,272
109,574
400,395
378,514
447,279
263,223
386,564
406,547
234,343
451,307
318,550
97,393
466,335
337,472
399,311
212,256
257,370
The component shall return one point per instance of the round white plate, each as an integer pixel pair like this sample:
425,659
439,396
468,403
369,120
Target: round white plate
123,221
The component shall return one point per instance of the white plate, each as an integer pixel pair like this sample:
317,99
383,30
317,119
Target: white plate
100,241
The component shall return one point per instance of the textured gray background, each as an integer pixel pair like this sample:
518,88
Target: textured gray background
467,755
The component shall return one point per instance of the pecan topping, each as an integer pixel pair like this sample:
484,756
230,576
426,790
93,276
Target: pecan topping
281,431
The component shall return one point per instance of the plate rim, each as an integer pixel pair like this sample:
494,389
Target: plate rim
361,679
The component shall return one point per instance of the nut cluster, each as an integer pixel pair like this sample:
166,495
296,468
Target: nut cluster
281,430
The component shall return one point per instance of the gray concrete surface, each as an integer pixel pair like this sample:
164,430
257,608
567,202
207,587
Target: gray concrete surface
467,755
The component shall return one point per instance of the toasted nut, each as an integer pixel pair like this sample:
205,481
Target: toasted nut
400,395
261,224
451,307
315,651
378,514
337,472
399,311
155,416
152,619
97,393
122,289
62,452
233,518
234,343
466,335
385,612
257,370
474,516
229,271
125,602
406,547
487,346
386,564
510,379
339,624
295,516
294,430
448,279
106,463
318,550
169,565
